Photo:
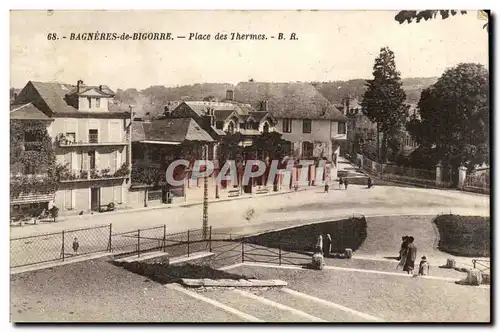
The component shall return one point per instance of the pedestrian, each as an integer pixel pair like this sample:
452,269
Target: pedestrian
370,182
346,183
326,186
76,245
404,246
327,248
341,183
424,267
319,244
408,261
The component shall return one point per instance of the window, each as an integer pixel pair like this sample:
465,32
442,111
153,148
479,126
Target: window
230,127
287,125
341,128
266,127
71,137
93,136
98,102
307,149
90,102
306,126
92,159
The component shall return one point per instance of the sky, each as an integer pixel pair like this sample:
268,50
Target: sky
331,45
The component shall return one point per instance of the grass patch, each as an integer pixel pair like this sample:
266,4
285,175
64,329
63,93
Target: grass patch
346,233
467,236
164,273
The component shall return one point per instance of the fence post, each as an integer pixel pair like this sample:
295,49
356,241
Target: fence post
110,234
210,240
62,248
243,251
279,253
138,243
188,240
164,238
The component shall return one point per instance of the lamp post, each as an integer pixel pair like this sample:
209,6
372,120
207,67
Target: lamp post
205,198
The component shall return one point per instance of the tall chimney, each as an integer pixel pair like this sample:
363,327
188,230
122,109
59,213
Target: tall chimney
100,87
79,84
229,94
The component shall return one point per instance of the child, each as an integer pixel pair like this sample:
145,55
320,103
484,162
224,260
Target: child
346,183
76,245
326,187
424,267
341,183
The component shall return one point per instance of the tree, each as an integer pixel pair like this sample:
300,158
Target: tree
384,100
454,116
410,15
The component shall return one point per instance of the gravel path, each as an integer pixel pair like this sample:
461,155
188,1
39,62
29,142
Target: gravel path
392,298
97,291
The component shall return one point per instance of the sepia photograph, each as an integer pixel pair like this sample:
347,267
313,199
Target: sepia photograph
250,166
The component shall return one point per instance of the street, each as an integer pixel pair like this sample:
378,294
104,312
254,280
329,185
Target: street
279,211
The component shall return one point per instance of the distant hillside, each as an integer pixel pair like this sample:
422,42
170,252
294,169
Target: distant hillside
336,90
153,99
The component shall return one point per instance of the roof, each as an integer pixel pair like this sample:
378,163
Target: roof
201,107
103,90
55,95
222,115
258,115
169,130
289,100
27,112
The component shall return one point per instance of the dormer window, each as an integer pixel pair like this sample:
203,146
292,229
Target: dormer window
90,102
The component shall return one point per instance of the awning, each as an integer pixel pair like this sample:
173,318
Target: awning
32,198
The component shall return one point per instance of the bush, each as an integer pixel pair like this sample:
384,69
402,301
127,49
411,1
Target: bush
467,236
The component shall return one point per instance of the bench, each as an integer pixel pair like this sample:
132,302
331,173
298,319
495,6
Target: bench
234,193
262,191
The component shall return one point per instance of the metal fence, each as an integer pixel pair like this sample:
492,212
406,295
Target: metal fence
66,244
478,181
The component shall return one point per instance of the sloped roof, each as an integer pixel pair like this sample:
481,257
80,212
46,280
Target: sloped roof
169,130
289,100
222,115
258,116
200,107
27,112
54,95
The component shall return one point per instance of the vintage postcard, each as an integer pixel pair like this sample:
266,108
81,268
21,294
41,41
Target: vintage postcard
250,166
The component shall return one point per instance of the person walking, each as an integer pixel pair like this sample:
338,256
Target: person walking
346,183
404,246
319,244
341,183
410,257
327,248
76,245
370,182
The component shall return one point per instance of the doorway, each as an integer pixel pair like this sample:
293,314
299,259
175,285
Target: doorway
95,199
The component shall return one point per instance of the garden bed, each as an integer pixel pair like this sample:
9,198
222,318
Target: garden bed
467,236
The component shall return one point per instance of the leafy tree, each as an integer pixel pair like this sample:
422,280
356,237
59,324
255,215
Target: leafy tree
272,145
31,152
454,116
384,100
418,15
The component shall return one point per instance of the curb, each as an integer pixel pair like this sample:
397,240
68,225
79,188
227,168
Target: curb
43,266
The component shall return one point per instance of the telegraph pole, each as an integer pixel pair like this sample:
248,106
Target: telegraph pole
205,198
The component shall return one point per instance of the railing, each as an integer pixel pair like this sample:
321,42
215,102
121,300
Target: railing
93,138
478,181
68,244
482,264
94,174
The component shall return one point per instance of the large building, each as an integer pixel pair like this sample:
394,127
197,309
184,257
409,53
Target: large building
91,135
303,115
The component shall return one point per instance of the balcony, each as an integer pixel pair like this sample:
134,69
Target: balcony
64,142
94,174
